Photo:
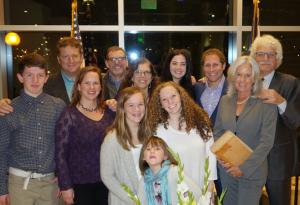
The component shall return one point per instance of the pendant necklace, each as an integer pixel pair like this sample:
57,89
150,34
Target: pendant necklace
87,109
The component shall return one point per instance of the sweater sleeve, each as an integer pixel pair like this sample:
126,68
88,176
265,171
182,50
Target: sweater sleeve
211,159
108,168
62,147
141,192
4,144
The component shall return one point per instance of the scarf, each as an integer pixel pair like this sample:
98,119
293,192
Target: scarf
162,177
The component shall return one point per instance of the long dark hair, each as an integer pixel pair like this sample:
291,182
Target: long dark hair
185,81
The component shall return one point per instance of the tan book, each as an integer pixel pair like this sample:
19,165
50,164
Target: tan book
232,149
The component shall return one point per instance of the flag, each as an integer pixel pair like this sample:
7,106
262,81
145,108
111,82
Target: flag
255,31
75,32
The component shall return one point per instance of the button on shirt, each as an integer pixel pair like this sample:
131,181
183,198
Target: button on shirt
211,96
27,135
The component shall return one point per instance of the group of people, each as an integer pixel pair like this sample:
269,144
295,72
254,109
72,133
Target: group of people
118,128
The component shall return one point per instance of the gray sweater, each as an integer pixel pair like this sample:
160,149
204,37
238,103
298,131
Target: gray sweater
116,167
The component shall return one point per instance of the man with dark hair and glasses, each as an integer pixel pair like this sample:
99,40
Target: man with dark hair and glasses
117,63
282,90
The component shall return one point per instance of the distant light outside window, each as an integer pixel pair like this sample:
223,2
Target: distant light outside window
273,12
155,45
58,12
45,44
179,12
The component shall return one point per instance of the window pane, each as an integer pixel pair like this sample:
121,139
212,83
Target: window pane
273,12
58,12
290,42
45,44
179,12
155,46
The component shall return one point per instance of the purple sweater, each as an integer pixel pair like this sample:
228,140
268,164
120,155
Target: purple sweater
77,147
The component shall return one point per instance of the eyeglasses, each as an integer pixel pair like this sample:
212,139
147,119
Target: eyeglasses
117,59
262,54
142,73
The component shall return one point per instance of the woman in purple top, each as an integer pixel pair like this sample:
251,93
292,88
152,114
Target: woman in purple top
79,134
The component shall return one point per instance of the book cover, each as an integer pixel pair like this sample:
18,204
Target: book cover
232,149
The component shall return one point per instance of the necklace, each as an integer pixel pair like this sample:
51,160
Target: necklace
88,109
243,101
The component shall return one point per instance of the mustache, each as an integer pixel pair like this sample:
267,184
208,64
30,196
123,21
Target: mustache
265,63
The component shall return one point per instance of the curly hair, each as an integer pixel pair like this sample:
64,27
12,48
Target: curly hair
191,114
269,42
120,124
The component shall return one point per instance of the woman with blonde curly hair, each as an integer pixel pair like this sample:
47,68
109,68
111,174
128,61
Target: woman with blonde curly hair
186,128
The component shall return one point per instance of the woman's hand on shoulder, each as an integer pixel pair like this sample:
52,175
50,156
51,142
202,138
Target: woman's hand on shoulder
112,104
5,107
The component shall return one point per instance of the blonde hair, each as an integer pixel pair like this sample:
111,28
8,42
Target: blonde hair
124,136
231,75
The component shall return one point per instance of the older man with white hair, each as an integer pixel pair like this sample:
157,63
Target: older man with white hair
282,90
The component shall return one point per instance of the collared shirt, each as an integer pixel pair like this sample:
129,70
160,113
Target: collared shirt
27,135
69,83
211,97
266,84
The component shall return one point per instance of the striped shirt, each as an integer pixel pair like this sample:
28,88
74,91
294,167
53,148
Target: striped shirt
27,135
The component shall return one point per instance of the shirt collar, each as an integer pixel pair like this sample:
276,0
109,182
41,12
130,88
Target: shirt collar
30,99
66,77
220,85
267,79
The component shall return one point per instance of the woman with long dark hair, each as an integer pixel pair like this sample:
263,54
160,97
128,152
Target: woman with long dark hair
178,68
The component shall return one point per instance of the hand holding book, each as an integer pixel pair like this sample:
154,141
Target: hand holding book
229,148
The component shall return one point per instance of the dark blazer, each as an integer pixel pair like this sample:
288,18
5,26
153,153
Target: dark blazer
55,86
109,90
199,89
282,157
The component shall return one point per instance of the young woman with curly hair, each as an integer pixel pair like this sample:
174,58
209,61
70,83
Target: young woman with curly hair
120,151
176,118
